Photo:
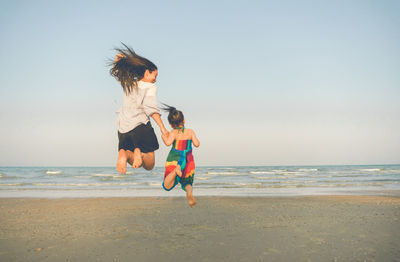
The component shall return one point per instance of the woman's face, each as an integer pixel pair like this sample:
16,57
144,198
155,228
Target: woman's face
150,76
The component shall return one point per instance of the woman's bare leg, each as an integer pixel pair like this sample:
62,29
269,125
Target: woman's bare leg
121,162
189,195
148,160
137,158
134,158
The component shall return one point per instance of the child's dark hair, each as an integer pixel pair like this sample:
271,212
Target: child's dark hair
175,117
130,68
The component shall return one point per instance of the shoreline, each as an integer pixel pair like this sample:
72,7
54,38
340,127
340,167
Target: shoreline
200,192
301,228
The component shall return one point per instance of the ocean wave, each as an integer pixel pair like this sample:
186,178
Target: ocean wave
202,178
1,175
154,184
57,184
107,175
212,183
308,169
12,184
370,170
249,185
290,173
84,184
299,172
224,173
390,171
264,177
53,172
318,176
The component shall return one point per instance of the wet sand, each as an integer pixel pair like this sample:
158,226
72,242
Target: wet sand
322,228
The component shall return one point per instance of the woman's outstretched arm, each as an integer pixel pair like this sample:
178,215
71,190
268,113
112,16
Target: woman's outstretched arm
157,119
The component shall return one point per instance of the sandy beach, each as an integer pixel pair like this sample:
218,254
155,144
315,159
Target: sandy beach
320,228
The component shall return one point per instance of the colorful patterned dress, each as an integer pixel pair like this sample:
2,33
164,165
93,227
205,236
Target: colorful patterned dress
181,154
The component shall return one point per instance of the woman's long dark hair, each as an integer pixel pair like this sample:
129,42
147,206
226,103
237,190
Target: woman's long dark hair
175,117
130,68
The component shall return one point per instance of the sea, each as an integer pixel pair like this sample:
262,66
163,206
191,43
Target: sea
242,181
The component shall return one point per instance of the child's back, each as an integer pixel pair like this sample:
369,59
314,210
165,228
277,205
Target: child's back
185,134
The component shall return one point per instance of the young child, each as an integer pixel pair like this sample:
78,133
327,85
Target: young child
137,140
179,167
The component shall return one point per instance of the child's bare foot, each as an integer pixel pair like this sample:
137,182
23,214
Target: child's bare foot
178,171
191,199
137,158
189,195
121,162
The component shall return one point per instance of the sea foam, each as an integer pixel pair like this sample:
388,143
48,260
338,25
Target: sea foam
53,172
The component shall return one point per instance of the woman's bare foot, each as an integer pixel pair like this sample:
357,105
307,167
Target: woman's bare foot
178,171
137,158
121,162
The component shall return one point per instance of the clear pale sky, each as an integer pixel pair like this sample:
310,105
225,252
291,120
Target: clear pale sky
261,82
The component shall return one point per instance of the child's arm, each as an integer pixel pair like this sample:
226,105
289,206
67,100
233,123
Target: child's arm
168,138
195,140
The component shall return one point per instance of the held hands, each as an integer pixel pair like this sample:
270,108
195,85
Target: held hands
164,132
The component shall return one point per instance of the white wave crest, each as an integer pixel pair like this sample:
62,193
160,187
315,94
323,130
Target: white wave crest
248,185
84,184
224,173
53,172
202,178
107,175
153,184
370,170
263,172
290,173
308,169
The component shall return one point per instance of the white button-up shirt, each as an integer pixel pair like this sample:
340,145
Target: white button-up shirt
138,107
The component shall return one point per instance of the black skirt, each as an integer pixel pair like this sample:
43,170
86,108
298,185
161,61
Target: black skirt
142,137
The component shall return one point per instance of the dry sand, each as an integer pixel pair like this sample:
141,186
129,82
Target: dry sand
334,228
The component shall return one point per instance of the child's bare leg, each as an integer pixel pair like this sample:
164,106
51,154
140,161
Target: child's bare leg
178,171
148,160
121,162
169,180
189,195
